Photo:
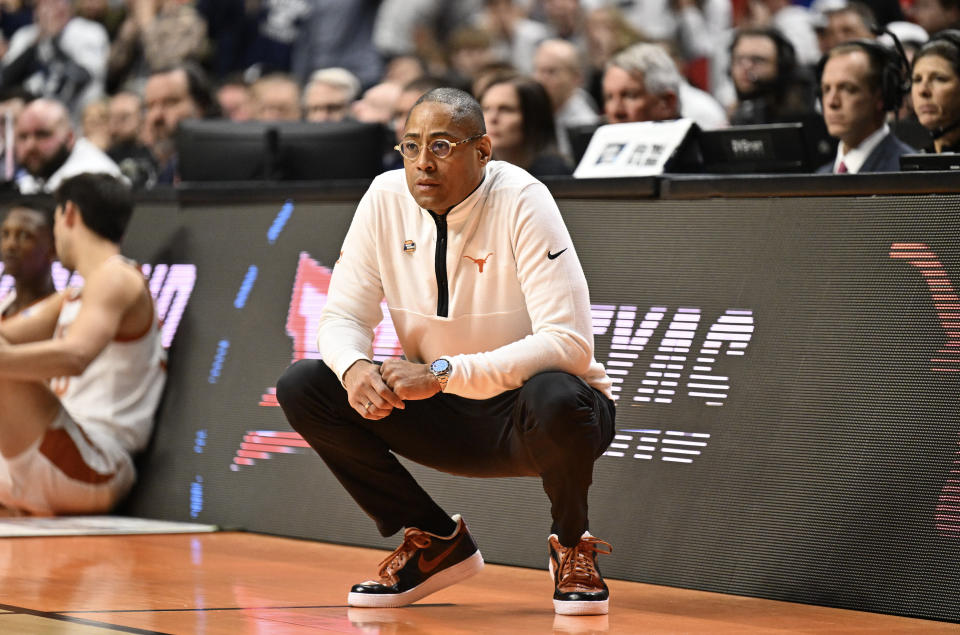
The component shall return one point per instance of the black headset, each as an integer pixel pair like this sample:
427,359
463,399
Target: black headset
786,55
950,36
894,69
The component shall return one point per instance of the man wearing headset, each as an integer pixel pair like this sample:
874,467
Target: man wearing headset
860,82
771,86
499,378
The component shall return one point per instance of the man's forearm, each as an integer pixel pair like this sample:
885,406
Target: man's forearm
39,361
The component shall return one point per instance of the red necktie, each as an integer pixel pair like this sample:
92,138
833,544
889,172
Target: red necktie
842,168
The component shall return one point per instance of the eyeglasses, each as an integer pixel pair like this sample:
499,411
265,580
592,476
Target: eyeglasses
440,148
750,60
327,109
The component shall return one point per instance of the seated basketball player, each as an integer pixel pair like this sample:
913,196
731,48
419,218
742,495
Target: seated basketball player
26,246
492,309
81,375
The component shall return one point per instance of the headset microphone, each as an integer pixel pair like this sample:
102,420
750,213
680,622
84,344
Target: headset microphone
936,133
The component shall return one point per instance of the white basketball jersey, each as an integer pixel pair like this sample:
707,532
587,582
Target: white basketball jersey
119,391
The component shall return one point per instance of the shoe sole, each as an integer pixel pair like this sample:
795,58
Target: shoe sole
448,577
582,607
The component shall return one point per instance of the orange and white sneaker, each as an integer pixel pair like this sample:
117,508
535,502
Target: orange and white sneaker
423,564
579,588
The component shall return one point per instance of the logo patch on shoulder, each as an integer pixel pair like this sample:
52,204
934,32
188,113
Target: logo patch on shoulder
551,256
409,246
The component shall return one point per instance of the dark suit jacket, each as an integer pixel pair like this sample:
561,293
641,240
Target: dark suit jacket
884,158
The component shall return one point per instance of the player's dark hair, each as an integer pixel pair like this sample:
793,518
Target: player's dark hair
199,87
104,201
945,44
43,204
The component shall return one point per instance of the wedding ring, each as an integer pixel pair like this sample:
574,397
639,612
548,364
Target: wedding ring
367,407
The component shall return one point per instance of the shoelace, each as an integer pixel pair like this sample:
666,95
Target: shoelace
578,564
413,539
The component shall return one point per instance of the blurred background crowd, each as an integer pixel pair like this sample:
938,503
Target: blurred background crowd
103,84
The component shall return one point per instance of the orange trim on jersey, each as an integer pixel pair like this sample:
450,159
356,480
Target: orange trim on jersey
58,446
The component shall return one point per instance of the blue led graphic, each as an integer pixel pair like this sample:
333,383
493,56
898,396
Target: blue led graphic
222,347
246,287
278,223
200,442
196,496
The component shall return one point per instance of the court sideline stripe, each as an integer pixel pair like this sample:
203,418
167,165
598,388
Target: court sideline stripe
21,610
214,608
233,608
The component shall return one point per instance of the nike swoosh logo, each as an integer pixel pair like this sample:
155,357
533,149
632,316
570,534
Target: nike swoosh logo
426,565
553,256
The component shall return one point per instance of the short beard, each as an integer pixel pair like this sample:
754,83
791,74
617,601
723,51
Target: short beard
54,163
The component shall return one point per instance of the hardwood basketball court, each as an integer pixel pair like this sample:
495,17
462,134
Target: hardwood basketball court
237,583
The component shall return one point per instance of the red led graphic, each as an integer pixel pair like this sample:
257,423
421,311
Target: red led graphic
946,360
269,398
947,516
310,286
263,444
309,295
945,300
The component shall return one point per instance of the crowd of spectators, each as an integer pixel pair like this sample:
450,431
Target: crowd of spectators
115,77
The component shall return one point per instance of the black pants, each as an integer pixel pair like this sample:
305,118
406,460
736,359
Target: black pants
554,426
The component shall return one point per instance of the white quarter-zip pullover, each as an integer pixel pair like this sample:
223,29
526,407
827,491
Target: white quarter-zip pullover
494,285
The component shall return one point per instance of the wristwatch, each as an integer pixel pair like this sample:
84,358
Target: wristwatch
441,370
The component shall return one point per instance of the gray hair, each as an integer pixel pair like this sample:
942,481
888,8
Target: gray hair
339,78
567,53
466,110
660,74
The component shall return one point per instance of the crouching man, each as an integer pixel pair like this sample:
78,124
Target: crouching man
492,310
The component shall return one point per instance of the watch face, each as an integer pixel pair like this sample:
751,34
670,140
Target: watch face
440,366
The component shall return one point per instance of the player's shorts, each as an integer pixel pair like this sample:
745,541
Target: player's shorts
67,471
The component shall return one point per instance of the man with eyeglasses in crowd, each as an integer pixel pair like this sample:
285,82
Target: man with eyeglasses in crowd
499,379
771,86
328,95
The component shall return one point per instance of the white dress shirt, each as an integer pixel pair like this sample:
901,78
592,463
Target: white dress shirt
856,157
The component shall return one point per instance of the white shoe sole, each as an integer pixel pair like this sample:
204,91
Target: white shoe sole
595,607
448,577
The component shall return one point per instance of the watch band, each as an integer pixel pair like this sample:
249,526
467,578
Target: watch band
441,370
